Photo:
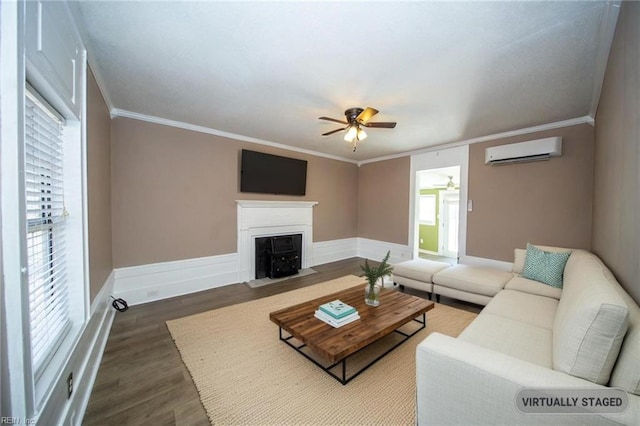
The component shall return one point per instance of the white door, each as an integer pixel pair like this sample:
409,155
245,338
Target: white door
450,221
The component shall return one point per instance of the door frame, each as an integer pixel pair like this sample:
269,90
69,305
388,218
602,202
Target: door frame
435,159
443,234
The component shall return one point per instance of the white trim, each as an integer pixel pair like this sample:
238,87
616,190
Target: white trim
334,250
607,32
549,126
102,87
84,361
488,263
455,156
116,112
260,204
15,297
157,281
376,250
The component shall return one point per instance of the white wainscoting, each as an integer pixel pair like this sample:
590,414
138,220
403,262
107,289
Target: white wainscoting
147,283
84,362
376,250
334,250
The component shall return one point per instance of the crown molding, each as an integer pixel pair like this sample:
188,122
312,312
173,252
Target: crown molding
100,82
115,112
524,131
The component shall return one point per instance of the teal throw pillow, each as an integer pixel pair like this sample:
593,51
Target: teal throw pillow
544,266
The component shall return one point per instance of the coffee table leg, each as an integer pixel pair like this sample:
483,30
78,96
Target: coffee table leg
343,380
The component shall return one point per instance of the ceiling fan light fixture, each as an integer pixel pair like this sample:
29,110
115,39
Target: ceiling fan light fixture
450,185
355,133
352,134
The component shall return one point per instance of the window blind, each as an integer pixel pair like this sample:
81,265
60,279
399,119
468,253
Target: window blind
45,212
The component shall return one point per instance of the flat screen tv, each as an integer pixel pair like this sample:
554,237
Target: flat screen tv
272,174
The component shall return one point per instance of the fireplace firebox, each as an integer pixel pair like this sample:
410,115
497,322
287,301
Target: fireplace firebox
278,256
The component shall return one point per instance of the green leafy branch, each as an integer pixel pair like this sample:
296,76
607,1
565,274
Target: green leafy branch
374,273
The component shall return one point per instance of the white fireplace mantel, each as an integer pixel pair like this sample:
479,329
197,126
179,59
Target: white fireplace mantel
258,204
257,218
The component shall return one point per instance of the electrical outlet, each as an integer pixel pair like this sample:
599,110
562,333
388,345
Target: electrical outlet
421,241
69,385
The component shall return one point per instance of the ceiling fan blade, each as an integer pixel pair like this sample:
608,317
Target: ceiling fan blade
366,115
380,124
334,131
333,119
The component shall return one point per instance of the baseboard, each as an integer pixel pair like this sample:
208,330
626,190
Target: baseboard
490,263
84,361
376,250
157,281
334,250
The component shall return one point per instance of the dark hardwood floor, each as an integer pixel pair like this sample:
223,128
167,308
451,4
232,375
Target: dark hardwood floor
142,379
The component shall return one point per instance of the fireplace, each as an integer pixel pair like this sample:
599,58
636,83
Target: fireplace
278,256
262,219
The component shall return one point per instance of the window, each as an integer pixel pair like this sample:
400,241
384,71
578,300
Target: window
46,244
427,212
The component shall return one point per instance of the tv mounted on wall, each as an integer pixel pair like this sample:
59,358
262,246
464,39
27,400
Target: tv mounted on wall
272,174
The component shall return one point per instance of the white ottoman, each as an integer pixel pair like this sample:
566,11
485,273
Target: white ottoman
417,273
471,283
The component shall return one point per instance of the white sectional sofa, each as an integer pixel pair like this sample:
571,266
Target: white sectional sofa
532,335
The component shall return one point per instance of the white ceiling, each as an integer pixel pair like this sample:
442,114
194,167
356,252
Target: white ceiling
445,71
437,178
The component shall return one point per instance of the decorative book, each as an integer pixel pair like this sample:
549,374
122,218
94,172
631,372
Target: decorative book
322,316
337,309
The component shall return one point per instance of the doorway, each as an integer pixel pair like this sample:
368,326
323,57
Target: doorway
438,213
438,204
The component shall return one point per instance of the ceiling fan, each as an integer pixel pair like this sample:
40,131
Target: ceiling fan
449,185
355,118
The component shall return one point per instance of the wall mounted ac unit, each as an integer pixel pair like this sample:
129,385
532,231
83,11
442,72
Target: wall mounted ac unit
522,152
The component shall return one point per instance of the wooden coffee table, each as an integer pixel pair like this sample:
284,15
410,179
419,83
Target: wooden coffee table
336,345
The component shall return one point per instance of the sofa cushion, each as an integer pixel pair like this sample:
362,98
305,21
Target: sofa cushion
626,372
418,269
511,337
590,322
524,307
520,254
526,285
544,266
473,279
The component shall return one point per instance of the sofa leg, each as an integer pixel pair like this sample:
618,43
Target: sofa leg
438,298
401,287
429,294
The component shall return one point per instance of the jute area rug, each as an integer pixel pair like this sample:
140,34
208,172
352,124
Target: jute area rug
246,375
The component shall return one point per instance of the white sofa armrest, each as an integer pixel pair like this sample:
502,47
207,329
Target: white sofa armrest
462,383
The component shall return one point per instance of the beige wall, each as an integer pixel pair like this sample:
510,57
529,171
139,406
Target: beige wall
616,207
174,191
99,186
547,202
383,200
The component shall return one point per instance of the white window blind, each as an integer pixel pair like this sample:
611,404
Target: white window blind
48,292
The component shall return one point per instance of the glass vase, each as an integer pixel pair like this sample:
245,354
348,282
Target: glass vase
372,295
